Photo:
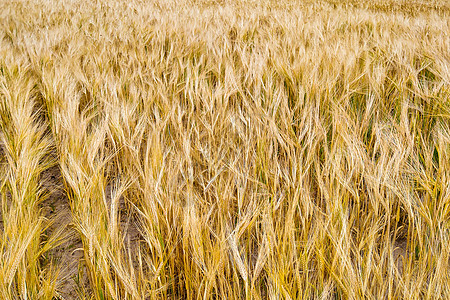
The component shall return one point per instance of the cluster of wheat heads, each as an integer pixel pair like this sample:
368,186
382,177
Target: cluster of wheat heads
226,149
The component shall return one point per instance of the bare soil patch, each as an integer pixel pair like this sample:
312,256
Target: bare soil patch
68,255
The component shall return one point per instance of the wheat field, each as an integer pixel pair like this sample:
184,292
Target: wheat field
233,149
